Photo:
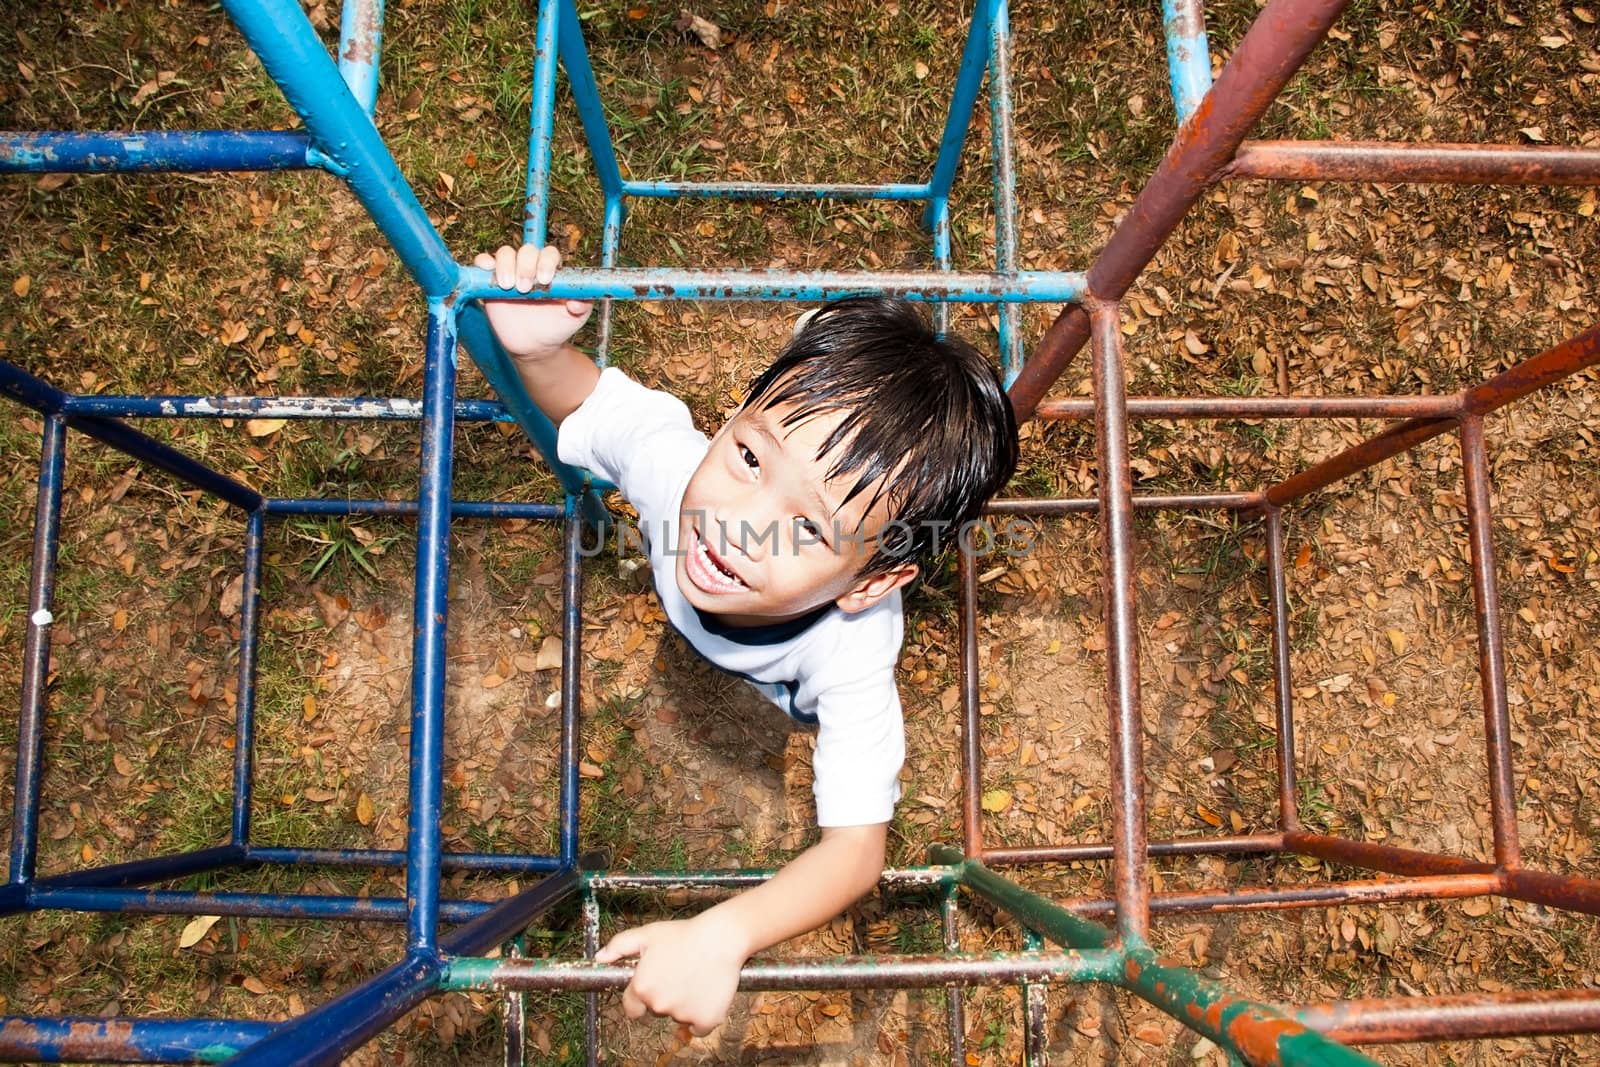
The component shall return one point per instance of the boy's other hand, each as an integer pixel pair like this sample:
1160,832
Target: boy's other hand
530,327
688,970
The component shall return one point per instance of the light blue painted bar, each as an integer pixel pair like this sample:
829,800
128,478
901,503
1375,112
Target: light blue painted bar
1188,54
586,95
974,60
664,283
536,217
293,55
360,42
778,191
116,152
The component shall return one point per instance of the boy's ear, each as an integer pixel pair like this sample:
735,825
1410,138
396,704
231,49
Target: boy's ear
875,587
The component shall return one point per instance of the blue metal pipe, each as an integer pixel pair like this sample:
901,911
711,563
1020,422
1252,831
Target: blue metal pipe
541,115
36,651
30,391
671,283
495,363
143,447
571,668
1005,181
244,722
1188,54
371,857
509,917
360,41
120,1040
108,152
428,646
324,1036
937,220
974,59
143,872
273,407
467,509
288,47
610,240
777,191
586,95
256,905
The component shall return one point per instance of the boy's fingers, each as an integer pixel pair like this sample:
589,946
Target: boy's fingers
627,943
484,261
549,260
577,308
527,267
505,267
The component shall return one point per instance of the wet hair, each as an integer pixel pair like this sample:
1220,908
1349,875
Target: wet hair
927,424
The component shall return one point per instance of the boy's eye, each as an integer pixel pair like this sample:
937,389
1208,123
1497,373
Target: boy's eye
810,529
749,458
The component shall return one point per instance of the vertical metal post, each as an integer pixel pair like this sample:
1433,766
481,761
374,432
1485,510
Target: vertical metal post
1035,1025
971,740
36,650
1115,493
571,666
1005,181
1282,681
591,1001
536,213
597,134
513,1004
1491,650
955,1007
428,645
360,39
245,708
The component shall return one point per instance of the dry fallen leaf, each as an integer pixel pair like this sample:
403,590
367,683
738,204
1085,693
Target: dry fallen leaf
709,33
996,800
264,427
21,286
364,812
196,929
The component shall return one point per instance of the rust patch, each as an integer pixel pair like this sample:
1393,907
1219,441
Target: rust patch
1131,970
1259,1038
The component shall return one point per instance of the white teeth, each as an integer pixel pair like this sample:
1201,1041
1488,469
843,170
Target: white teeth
713,568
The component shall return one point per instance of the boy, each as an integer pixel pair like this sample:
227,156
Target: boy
779,550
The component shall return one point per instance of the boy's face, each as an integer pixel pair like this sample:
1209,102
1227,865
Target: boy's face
762,536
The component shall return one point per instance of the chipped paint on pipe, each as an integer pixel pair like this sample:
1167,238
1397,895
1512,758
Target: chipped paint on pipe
1388,161
850,972
155,151
1458,1017
360,40
673,283
1188,54
118,1040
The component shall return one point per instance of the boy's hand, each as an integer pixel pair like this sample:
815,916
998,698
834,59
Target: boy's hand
688,970
530,328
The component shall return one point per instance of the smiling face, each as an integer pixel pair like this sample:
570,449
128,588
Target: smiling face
765,536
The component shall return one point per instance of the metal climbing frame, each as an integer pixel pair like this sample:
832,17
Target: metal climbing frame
335,102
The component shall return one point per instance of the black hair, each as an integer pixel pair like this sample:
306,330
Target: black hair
927,423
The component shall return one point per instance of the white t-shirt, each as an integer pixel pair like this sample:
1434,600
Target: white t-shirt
834,669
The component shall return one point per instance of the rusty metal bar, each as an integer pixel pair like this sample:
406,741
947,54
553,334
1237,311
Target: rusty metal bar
1491,647
1566,891
1261,407
1458,1017
1275,46
1282,683
971,741
1376,857
1119,597
1387,161
1086,852
1316,895
1042,506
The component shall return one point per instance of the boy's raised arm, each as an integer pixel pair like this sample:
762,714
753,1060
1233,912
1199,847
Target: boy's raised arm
536,333
689,969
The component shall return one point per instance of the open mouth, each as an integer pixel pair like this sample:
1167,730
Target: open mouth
707,570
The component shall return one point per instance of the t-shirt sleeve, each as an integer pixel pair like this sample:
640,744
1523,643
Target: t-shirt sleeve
641,440
860,747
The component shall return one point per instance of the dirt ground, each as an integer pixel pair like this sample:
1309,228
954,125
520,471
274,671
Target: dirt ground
262,283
